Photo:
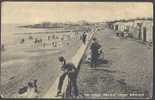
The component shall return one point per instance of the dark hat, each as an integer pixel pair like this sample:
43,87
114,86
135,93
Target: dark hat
61,58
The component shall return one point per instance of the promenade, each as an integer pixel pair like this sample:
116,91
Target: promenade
125,71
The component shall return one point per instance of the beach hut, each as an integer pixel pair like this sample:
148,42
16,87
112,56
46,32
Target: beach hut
147,31
141,29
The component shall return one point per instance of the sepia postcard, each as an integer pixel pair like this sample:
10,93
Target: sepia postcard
77,50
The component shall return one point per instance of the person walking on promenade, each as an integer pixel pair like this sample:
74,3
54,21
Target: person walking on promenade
84,37
95,46
70,70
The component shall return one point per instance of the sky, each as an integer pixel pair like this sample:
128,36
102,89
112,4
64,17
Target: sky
36,12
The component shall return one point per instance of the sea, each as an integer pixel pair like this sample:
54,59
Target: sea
8,32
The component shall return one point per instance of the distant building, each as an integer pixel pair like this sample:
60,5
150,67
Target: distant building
141,29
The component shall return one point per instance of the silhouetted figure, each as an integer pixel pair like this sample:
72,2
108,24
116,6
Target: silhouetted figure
2,47
30,85
36,40
122,34
117,34
40,41
84,36
22,41
70,70
49,37
53,44
95,46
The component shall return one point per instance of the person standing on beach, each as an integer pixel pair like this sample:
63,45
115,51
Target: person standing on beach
70,70
2,47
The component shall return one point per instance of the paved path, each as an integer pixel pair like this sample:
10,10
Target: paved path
127,69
